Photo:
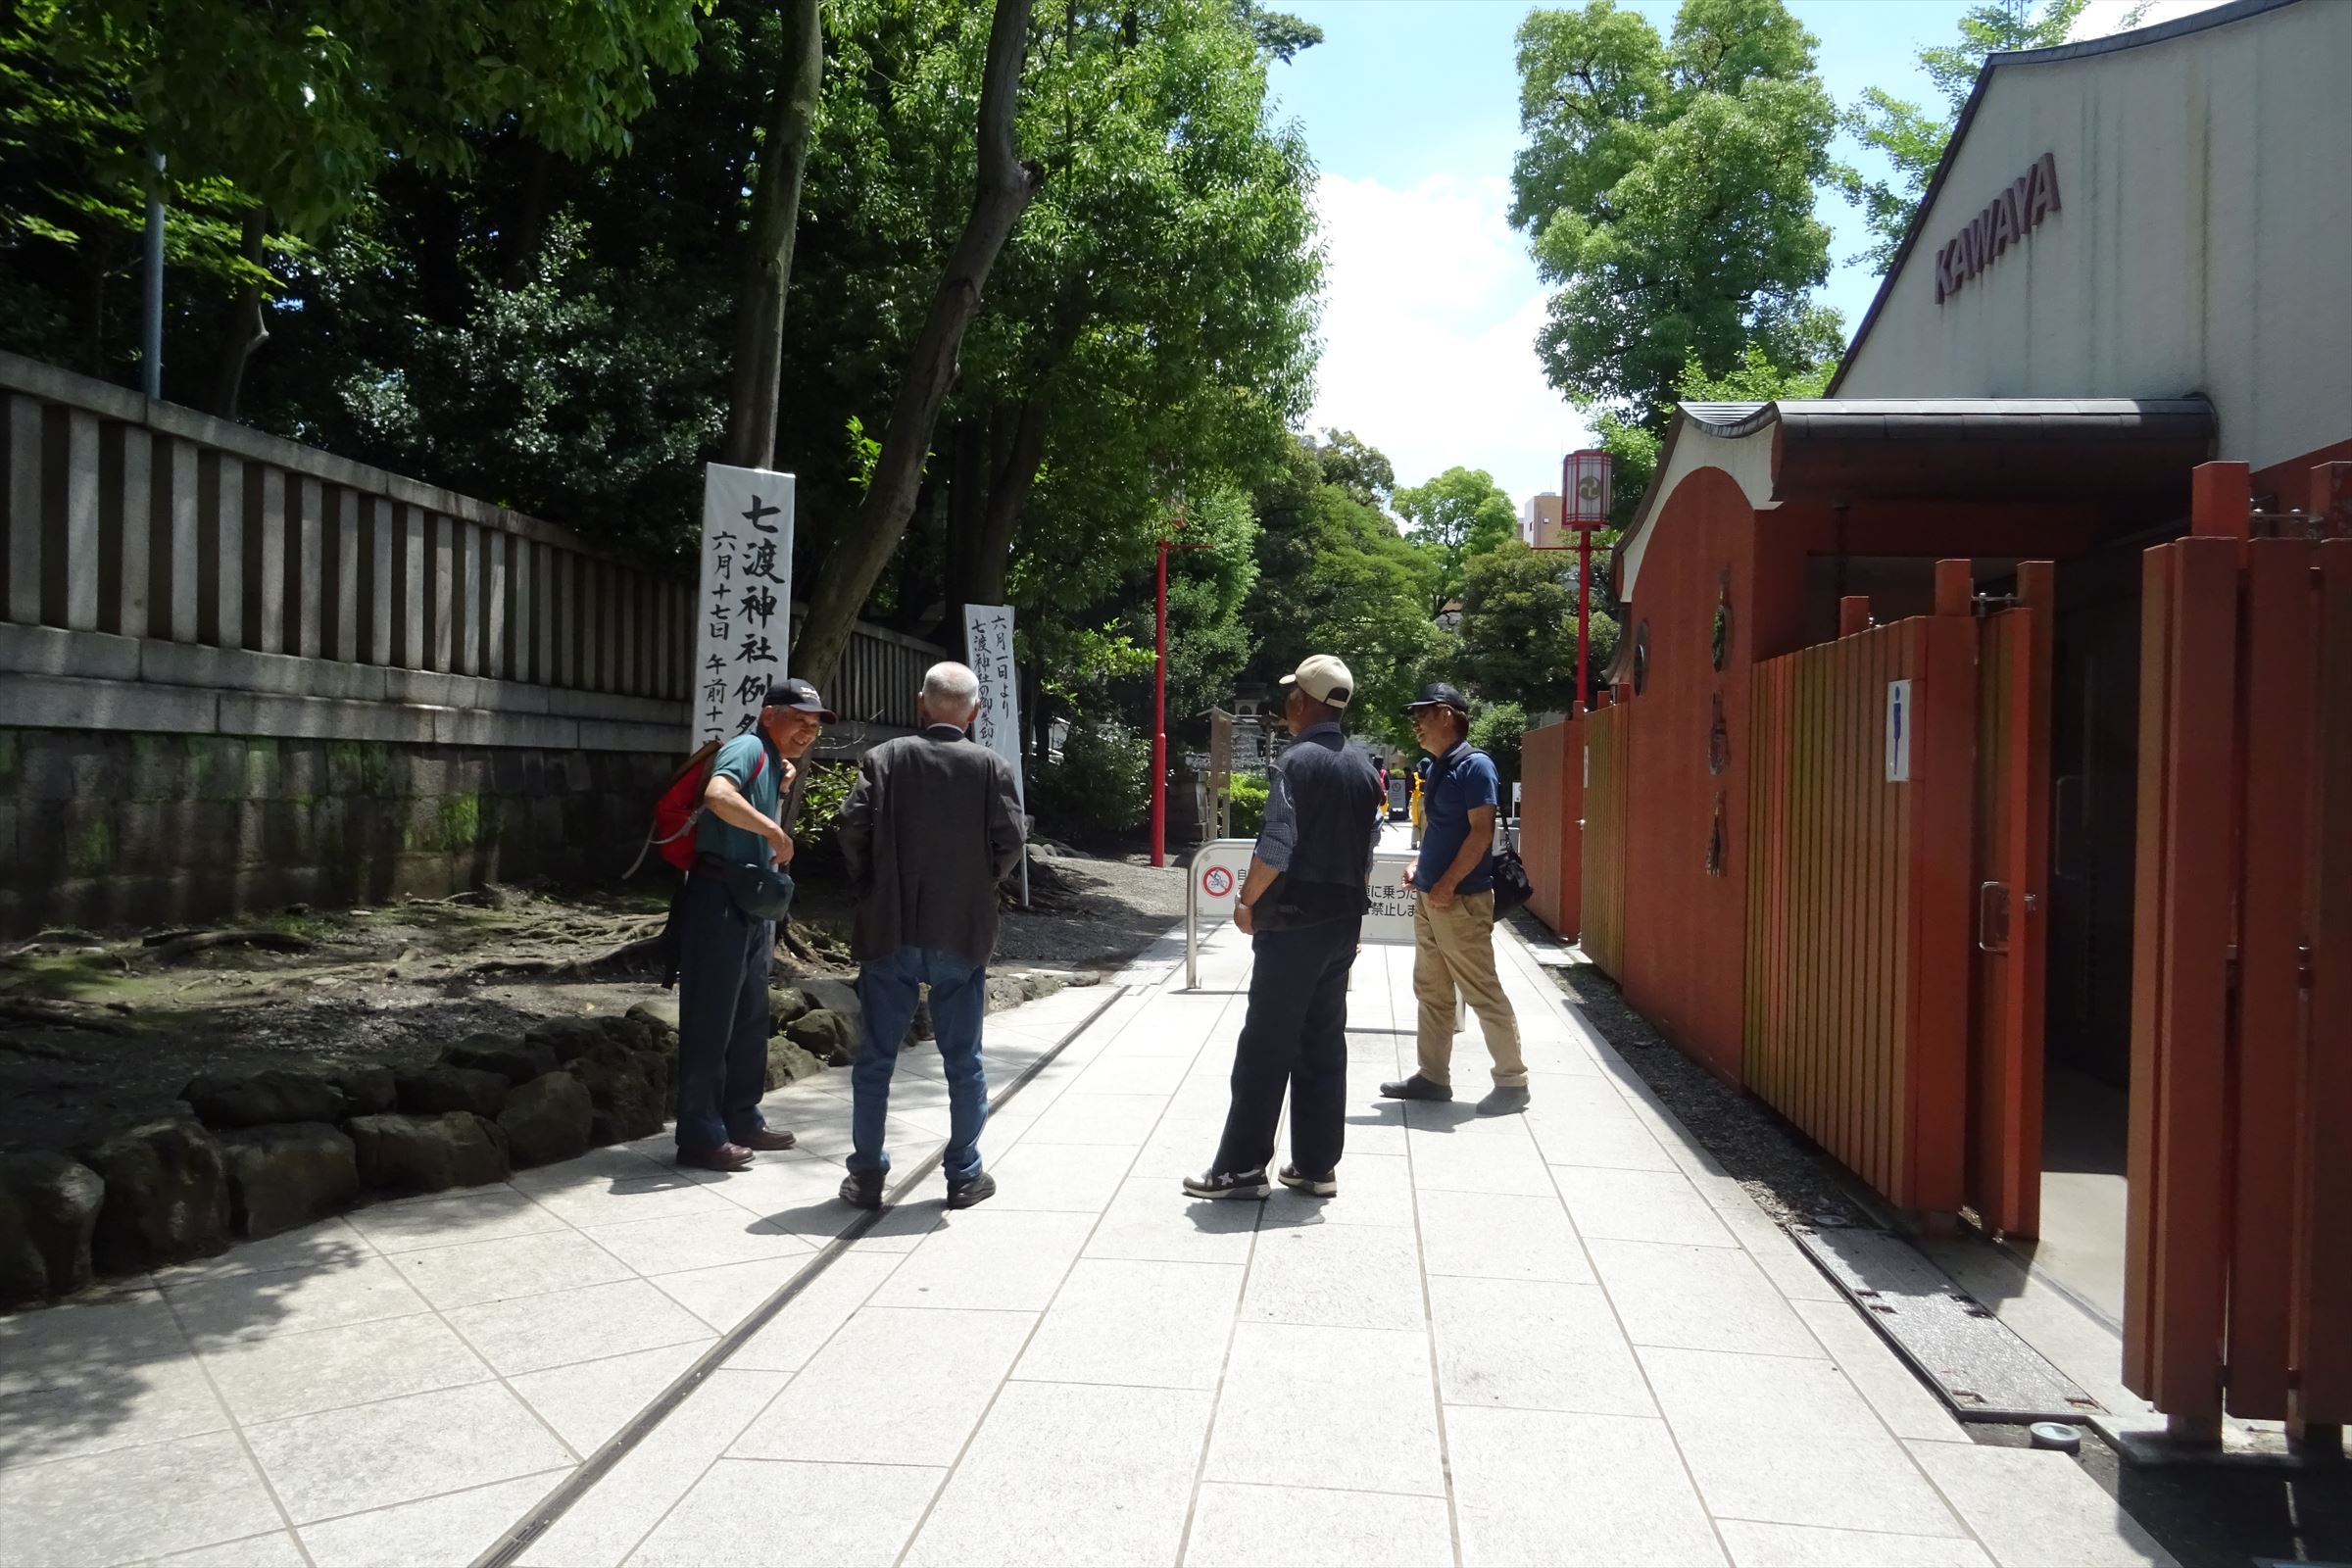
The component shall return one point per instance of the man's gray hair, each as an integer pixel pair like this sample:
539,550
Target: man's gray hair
950,688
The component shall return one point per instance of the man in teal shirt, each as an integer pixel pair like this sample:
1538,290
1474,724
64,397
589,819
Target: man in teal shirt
725,954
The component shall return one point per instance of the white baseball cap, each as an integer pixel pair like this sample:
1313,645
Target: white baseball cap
1325,679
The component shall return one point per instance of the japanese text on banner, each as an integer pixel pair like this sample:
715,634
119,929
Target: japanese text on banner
744,629
987,645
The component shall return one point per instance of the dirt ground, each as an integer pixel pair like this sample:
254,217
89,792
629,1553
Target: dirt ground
99,1029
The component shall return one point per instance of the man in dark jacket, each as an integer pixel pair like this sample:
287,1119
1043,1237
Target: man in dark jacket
1304,905
931,828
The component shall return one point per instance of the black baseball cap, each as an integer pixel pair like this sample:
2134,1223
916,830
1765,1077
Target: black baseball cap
1438,694
801,695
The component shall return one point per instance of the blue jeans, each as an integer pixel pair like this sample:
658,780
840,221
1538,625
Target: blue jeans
724,958
886,995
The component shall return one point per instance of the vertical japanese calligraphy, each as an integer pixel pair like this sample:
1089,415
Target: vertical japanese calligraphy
987,648
743,630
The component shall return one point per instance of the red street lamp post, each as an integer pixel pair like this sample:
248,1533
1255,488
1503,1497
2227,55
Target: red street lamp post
1583,507
1159,710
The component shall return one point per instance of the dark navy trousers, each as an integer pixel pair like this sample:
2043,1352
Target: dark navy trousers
724,958
1294,1039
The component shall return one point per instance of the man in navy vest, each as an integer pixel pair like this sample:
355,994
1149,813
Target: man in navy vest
726,954
1304,905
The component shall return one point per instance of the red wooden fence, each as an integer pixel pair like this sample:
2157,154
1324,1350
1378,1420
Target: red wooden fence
2238,1277
1859,896
1551,772
1608,762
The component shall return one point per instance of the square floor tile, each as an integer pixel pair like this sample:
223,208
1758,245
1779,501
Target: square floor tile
589,1402
1500,1235
1497,1157
445,1219
1755,1546
1125,1120
1638,1206
1130,1452
1073,1178
814,1313
1784,1440
326,1369
1534,1345
290,1302
1543,1486
401,1451
1334,1276
1155,1325
1301,1527
1185,1144
455,1528
134,1503
1359,1401
88,1377
1374,1190
605,1526
768,1513
276,1549
894,1385
615,1202
329,1244
990,1261
1119,1074
1698,1298
1153,1220
655,1247
2036,1509
1605,1134
725,1296
507,1267
585,1324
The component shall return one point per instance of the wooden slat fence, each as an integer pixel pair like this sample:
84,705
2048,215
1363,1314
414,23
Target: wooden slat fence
1857,930
2238,1277
1607,763
1551,793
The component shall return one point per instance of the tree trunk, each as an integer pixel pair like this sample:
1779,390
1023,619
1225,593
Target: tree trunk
1005,189
246,329
768,248
968,504
530,220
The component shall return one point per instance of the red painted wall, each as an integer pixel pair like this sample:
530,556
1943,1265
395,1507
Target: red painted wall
1685,928
1551,769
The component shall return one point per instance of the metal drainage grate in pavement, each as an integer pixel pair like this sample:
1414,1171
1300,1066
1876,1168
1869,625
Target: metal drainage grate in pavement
1981,1368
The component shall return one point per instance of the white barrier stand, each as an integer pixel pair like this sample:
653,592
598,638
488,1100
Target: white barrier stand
1216,875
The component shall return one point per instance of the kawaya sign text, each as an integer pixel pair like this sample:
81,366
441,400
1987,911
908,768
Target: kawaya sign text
2012,215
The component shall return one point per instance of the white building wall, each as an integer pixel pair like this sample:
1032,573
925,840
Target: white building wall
2204,242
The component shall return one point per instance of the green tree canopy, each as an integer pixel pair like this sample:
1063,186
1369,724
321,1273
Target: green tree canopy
1460,514
1914,139
1518,632
1667,187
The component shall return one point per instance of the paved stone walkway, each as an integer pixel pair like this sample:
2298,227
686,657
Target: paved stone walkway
1562,1338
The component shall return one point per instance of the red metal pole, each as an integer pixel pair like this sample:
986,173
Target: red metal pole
1159,724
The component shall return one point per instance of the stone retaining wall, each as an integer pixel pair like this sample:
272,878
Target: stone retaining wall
100,828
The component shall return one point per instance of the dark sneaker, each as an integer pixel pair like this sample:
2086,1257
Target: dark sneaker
1229,1184
1501,1101
1326,1185
862,1189
1416,1088
979,1190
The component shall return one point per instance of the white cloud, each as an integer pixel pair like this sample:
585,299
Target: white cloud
1430,314
2104,17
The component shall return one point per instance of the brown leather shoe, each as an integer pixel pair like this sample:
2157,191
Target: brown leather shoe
767,1140
726,1156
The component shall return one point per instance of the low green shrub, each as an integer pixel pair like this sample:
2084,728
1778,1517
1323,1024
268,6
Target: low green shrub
1103,783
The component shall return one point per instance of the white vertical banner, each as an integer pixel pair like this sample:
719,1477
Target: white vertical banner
987,648
1899,724
744,627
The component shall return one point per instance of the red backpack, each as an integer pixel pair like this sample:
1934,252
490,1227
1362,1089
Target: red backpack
680,807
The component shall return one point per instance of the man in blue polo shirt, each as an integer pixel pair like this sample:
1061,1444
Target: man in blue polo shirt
1454,910
726,952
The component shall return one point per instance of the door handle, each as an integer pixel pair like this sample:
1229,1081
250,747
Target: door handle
1992,918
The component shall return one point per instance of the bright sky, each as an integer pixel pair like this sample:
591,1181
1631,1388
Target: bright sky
1411,109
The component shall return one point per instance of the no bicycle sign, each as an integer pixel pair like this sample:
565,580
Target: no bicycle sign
1216,881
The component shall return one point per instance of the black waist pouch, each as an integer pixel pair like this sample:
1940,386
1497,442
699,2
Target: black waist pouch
762,892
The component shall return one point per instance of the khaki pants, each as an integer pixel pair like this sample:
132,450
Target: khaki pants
1454,949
